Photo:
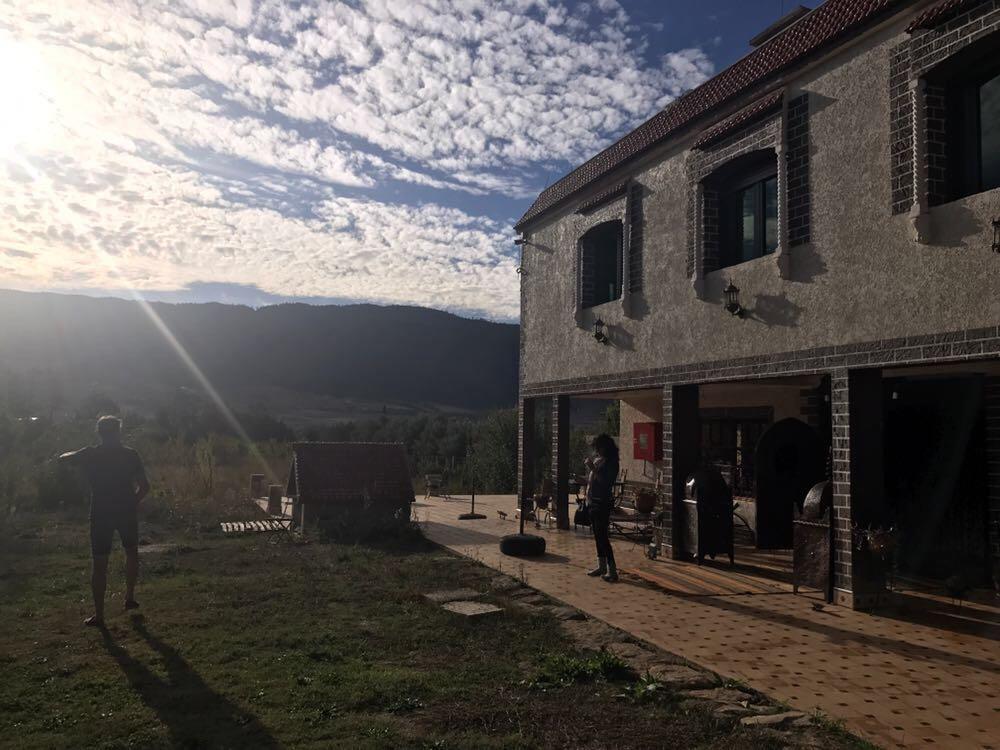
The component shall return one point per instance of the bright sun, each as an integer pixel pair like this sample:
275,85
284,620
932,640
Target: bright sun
23,96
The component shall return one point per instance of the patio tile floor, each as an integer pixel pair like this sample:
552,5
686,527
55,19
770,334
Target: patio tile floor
896,678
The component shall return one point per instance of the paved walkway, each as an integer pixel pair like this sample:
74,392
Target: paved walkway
897,678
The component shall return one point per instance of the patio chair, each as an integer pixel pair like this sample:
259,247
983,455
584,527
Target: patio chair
434,485
636,523
619,491
545,504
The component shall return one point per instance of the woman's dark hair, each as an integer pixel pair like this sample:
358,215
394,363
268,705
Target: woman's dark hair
605,446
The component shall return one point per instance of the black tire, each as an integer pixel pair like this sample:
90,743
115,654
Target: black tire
522,545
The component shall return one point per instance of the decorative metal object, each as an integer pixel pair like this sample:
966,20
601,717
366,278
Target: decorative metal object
733,306
707,526
996,235
520,242
879,545
812,533
600,332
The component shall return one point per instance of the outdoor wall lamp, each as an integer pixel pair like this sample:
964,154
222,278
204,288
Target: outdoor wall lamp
733,306
996,235
600,332
520,242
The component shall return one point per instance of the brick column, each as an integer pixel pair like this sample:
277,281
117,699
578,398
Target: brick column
525,448
992,405
858,483
560,459
842,549
681,453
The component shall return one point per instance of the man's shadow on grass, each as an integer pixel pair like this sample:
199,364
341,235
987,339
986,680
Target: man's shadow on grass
194,714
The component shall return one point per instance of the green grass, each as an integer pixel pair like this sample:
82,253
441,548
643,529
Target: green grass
261,642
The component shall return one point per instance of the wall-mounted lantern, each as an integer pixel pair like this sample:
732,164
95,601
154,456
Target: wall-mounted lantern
733,306
600,332
521,242
996,235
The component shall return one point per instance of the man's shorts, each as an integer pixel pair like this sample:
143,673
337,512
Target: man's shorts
104,526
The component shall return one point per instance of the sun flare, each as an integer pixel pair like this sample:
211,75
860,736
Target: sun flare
24,95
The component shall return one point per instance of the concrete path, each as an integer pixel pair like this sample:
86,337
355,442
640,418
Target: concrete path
896,678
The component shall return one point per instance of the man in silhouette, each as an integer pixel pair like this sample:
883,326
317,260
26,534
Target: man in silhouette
117,484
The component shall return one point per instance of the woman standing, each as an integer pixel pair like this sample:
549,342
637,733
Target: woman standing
603,472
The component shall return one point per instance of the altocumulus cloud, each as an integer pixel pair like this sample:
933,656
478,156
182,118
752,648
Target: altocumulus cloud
372,151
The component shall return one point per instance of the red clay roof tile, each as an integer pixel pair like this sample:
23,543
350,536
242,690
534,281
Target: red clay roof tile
609,194
940,13
763,106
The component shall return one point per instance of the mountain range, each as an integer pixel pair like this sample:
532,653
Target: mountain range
299,361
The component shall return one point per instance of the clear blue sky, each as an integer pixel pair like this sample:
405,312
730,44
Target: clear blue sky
255,151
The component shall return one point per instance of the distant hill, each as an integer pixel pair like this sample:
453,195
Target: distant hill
291,357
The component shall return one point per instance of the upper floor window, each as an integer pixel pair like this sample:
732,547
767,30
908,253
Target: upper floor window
747,192
601,264
963,122
974,132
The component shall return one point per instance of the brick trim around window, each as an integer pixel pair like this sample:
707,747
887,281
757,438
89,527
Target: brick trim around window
909,62
703,207
634,264
797,170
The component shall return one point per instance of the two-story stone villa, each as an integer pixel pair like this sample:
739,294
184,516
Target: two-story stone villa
812,236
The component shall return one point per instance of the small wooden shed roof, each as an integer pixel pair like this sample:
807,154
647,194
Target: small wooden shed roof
327,472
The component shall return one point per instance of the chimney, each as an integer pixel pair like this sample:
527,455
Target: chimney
780,25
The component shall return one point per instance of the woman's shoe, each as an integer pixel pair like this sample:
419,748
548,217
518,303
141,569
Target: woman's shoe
612,575
601,569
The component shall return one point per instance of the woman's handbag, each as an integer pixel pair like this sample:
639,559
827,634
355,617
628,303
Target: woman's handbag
582,515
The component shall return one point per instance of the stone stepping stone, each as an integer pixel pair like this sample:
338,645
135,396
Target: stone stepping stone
629,652
533,598
451,595
771,720
566,613
680,677
504,583
471,609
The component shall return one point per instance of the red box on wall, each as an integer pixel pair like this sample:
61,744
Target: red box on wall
647,441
